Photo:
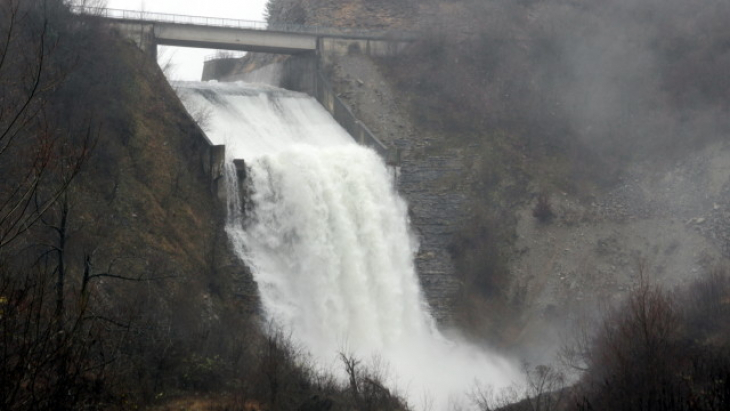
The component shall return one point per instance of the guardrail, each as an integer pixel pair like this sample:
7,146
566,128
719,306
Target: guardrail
326,95
135,15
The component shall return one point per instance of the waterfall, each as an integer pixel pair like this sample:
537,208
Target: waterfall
328,241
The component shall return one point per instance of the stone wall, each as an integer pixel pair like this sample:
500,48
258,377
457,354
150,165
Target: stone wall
219,68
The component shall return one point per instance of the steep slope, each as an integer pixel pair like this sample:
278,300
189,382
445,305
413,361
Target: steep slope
507,103
145,209
116,281
376,14
145,186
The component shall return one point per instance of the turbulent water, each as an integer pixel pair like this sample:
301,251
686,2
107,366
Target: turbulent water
329,243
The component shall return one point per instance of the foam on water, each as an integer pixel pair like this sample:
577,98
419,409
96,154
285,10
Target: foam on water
255,119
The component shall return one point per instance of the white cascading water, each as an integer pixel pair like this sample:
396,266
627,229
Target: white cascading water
329,243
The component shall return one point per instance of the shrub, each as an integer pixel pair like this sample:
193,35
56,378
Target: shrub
543,209
648,354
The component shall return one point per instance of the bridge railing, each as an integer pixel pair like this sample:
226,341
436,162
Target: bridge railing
325,94
135,15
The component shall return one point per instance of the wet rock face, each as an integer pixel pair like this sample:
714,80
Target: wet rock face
665,224
436,213
345,13
436,205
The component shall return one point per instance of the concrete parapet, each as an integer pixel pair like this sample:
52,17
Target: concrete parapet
214,158
217,69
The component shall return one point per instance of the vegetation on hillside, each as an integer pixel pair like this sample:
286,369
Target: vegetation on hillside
117,289
658,350
90,277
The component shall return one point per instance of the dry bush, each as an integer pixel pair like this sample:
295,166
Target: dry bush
367,390
651,354
50,356
706,307
543,209
543,389
69,340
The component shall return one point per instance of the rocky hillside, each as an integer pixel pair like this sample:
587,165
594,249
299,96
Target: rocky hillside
375,14
554,153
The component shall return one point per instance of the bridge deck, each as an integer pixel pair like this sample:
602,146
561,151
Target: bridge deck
187,35
132,16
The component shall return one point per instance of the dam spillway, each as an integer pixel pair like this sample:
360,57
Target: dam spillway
253,120
328,241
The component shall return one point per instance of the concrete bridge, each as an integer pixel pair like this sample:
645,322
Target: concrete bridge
149,30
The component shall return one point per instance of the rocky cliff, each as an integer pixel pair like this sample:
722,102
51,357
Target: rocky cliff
374,14
497,120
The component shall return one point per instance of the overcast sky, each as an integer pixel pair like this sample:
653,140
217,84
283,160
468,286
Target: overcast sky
188,62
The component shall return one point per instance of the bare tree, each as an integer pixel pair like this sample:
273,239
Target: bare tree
366,389
34,154
46,344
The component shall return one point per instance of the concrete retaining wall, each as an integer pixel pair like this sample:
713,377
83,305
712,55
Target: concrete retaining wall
219,68
213,160
329,48
295,73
